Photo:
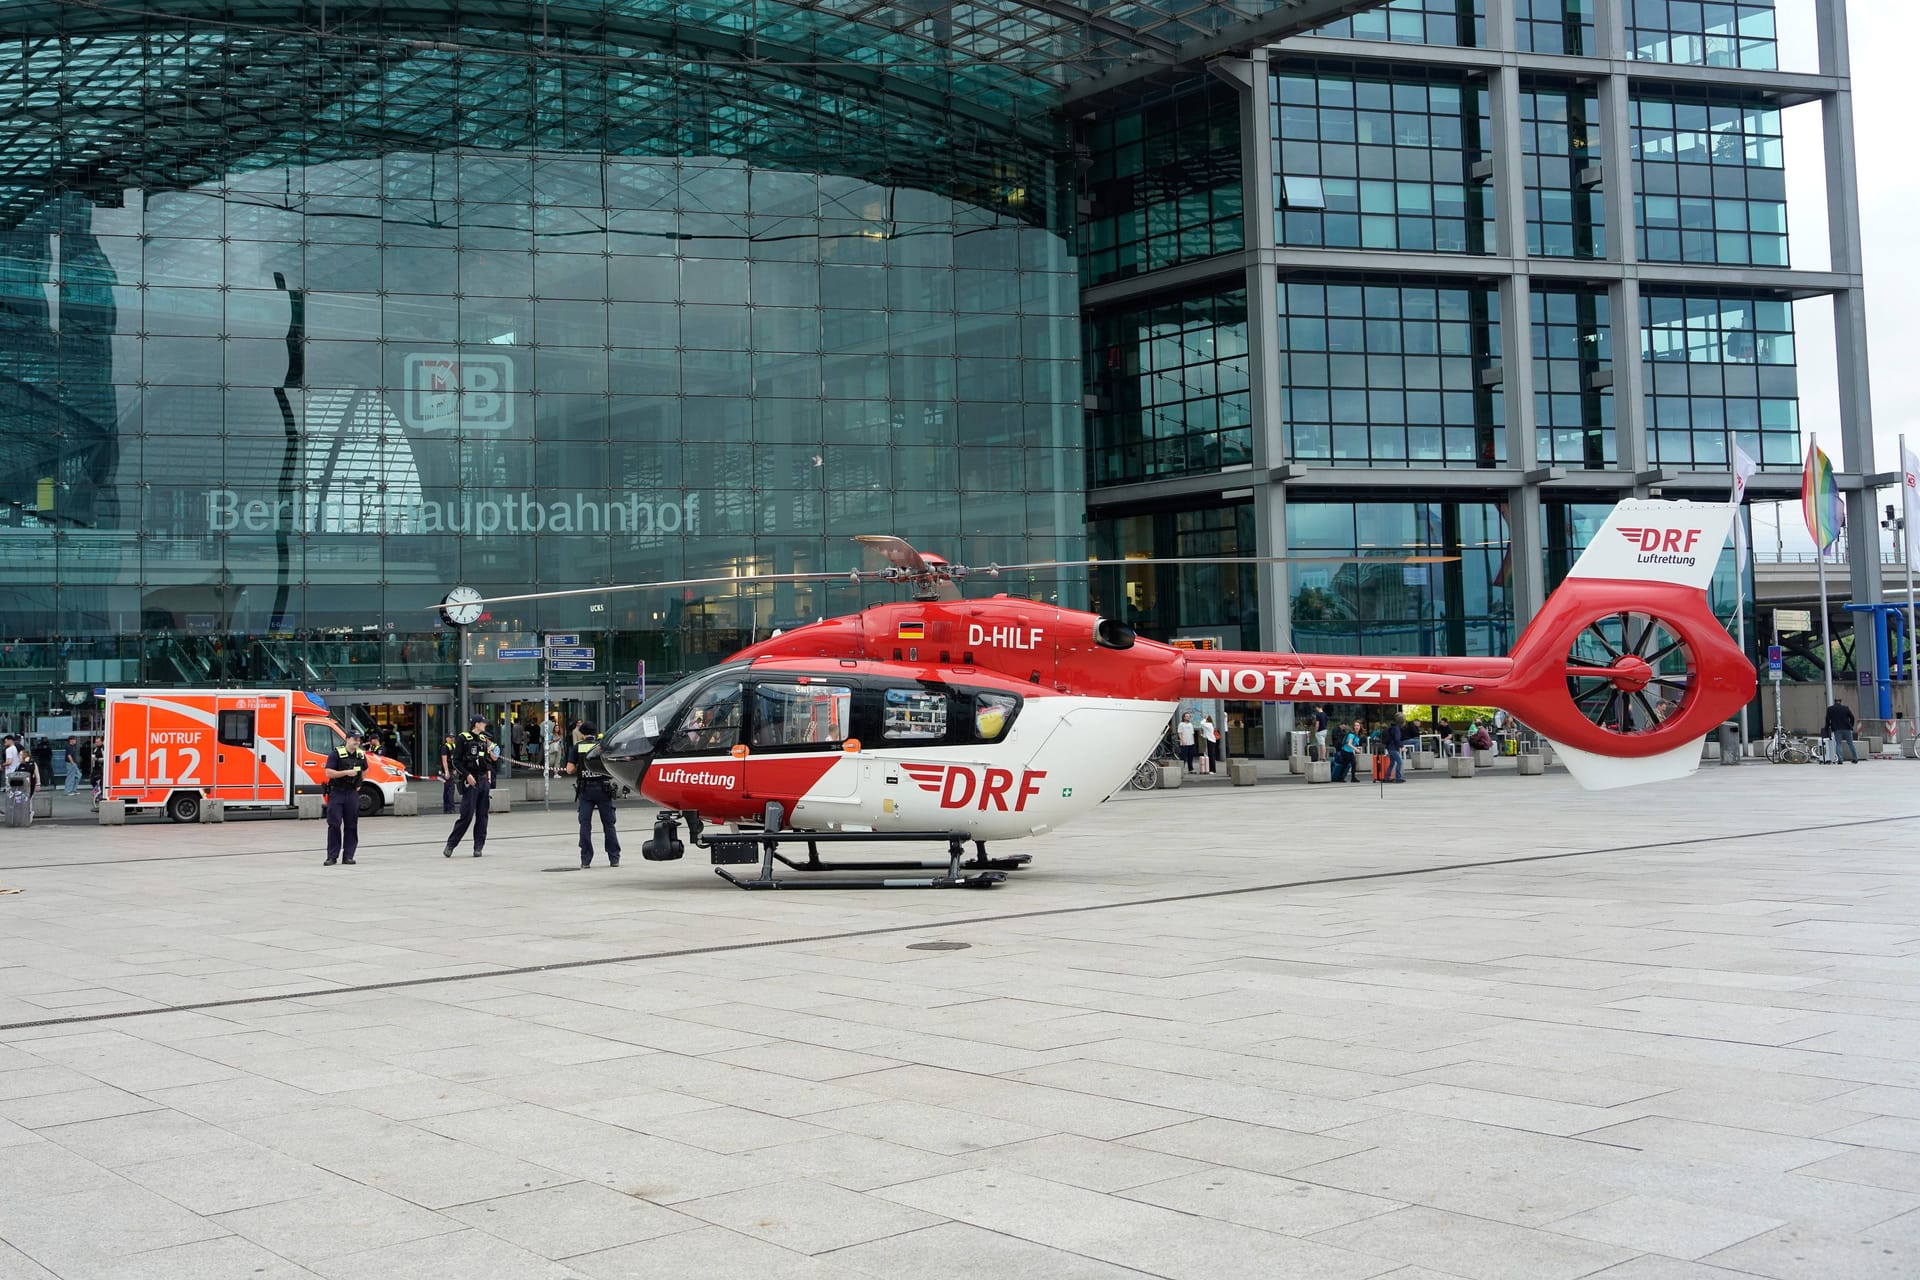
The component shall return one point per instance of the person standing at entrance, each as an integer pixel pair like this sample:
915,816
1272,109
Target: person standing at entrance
1210,743
473,763
346,765
1840,724
1183,734
72,757
447,745
593,791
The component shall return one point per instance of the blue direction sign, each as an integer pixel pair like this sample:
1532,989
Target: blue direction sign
507,654
569,664
579,651
561,642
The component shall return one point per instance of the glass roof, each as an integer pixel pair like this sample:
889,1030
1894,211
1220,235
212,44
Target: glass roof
105,96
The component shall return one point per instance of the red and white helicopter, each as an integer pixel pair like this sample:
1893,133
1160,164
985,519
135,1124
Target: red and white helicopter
976,720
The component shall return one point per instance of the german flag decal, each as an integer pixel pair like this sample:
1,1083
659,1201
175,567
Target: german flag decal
911,631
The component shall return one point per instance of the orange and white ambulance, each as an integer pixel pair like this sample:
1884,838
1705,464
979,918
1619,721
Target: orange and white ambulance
251,748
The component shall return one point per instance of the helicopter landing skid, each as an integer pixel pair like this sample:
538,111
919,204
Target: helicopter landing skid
981,872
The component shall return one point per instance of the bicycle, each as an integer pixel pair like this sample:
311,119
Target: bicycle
1786,748
1146,775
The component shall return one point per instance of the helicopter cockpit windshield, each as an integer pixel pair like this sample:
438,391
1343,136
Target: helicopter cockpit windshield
649,727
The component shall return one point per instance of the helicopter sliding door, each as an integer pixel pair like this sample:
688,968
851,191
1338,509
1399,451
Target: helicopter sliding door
798,727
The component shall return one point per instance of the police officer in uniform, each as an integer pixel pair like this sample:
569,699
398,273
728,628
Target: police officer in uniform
474,758
346,765
593,790
447,745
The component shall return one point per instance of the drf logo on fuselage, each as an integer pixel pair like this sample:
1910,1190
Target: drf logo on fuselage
1674,540
961,787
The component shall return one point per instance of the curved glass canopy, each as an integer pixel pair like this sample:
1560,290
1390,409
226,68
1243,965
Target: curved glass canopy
102,97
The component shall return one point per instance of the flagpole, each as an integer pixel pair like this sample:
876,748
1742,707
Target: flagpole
1739,568
1826,626
1913,640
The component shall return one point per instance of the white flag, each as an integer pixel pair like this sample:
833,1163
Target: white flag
1743,467
1910,491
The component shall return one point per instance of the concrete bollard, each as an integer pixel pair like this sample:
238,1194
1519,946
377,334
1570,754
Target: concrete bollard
1319,771
1482,760
212,809
310,806
406,805
1531,765
536,789
1461,766
501,800
1242,773
1297,764
43,803
1424,759
113,813
1171,776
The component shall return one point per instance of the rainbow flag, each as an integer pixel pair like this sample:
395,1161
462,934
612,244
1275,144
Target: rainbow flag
1820,500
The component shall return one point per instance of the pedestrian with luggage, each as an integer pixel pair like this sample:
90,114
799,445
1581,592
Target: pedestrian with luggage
1184,736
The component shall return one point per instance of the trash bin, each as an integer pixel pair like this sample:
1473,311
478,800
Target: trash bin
19,800
1730,743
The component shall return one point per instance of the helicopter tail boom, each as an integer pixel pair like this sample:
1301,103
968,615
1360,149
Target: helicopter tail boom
1626,669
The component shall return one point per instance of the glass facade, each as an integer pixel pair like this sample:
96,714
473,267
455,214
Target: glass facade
1718,362
1385,373
523,326
1164,186
1710,33
1560,138
1461,607
1572,383
1456,22
1555,26
1380,158
1710,181
1167,389
1165,601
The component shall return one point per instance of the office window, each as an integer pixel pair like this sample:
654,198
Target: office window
1380,374
1391,151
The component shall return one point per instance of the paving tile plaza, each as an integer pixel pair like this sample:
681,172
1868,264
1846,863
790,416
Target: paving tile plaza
1485,1029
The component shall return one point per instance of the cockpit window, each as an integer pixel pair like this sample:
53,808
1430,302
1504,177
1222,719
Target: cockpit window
712,723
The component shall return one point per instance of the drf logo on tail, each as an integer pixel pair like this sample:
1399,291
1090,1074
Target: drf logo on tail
960,787
1651,539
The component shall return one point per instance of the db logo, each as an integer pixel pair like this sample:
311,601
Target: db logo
446,394
960,787
1662,539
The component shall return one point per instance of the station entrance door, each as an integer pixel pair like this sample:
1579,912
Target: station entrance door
513,720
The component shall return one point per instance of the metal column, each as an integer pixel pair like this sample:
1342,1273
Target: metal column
1255,81
1849,310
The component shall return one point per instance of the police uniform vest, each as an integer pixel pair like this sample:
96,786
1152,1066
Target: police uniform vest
346,758
592,780
473,755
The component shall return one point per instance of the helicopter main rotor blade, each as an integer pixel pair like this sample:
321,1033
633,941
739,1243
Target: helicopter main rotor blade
1147,560
898,552
852,575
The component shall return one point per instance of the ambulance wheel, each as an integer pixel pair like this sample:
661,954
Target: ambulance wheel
183,806
370,801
